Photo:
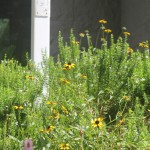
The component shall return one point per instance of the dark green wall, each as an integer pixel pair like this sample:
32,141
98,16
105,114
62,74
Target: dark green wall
82,15
19,14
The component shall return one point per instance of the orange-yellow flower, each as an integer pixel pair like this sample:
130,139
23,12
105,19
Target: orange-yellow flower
69,66
64,146
130,50
144,44
126,98
121,122
127,33
55,114
51,103
64,110
102,21
49,129
19,107
29,77
98,122
107,31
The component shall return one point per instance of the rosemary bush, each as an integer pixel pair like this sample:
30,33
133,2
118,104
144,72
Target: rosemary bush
97,98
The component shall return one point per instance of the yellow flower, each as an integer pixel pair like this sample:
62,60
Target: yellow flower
144,44
103,21
107,31
126,98
49,129
18,107
98,122
121,122
65,81
82,34
64,146
55,114
130,50
29,77
126,33
64,110
51,103
68,66
148,110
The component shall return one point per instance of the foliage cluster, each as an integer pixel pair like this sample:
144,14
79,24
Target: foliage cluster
96,98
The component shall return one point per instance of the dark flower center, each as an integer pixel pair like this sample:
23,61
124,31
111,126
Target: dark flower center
96,122
67,67
64,146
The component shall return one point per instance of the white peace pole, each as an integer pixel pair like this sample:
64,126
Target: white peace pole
40,34
40,30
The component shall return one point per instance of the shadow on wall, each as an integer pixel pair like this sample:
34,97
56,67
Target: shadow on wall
15,28
82,15
5,47
136,17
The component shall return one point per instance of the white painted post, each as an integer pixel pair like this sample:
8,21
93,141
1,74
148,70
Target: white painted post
40,30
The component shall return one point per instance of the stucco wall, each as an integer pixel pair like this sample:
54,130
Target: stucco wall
82,15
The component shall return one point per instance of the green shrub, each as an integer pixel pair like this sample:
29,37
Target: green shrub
96,98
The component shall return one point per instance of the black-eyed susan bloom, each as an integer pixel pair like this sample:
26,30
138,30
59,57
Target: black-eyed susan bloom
48,130
98,122
69,66
64,146
51,103
64,109
126,98
144,45
19,107
29,77
55,114
121,122
107,31
126,33
102,21
130,50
